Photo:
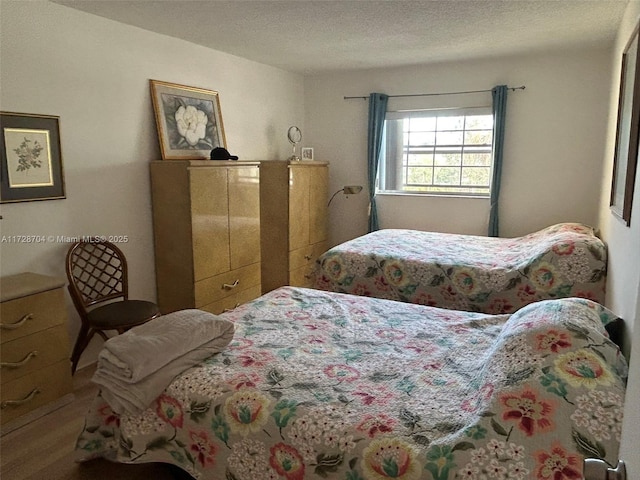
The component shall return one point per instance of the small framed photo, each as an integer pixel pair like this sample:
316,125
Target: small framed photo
31,161
307,153
188,119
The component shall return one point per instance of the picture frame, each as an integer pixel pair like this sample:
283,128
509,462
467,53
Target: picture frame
625,158
30,158
188,120
306,153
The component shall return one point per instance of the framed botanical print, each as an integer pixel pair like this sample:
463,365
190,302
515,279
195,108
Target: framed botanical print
628,130
188,119
31,161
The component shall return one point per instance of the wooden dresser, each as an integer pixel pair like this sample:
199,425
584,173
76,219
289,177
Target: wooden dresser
293,218
206,222
35,366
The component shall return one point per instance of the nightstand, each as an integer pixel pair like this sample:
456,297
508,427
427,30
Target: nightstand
35,371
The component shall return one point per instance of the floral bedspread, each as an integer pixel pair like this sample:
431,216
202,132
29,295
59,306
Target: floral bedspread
325,385
465,272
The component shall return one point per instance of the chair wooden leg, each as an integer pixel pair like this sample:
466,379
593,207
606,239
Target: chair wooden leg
84,337
103,335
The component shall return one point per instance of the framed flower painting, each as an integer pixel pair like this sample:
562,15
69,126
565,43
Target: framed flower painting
188,119
31,158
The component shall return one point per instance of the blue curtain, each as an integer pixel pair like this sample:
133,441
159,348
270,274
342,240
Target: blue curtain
377,111
499,95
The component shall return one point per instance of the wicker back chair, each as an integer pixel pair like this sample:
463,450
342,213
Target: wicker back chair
98,285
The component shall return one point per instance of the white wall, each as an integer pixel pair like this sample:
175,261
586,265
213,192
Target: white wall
553,147
623,279
623,241
94,73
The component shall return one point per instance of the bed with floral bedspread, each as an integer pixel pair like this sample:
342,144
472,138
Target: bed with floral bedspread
465,272
319,385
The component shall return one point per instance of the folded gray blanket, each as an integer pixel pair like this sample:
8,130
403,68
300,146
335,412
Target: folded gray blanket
142,350
137,366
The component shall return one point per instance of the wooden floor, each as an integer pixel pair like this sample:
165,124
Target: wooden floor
43,449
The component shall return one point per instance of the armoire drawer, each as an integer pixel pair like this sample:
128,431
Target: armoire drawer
31,353
234,300
301,277
226,284
27,315
306,255
29,392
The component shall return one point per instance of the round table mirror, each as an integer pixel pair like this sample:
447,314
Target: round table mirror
295,136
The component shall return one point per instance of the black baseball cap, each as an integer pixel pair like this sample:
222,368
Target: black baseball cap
220,153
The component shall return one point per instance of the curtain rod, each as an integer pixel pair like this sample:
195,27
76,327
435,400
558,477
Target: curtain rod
522,87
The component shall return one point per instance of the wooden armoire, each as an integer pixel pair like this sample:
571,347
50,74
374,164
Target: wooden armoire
293,218
206,221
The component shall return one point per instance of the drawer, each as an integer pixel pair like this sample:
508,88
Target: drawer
301,277
27,315
227,284
31,353
19,396
232,301
306,255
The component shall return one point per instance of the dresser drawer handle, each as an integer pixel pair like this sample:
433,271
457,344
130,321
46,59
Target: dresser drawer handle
231,309
308,257
18,324
231,286
308,277
22,362
17,403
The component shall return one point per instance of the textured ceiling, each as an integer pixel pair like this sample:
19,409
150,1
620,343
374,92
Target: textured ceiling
309,36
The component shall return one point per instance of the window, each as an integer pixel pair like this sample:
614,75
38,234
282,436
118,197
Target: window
445,151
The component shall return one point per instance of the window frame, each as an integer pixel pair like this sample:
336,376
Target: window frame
388,171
